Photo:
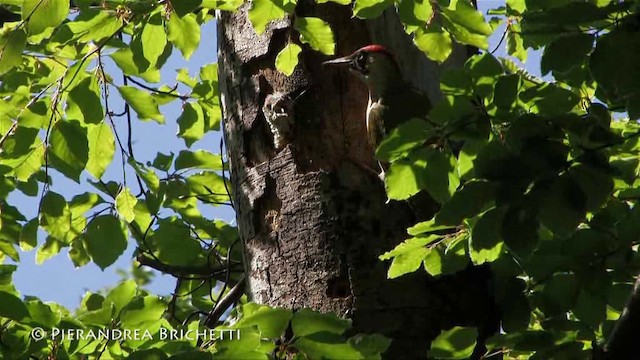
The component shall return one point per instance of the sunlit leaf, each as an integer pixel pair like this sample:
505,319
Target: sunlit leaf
456,343
262,12
142,102
287,58
69,149
367,9
11,46
101,149
43,14
191,123
199,159
317,33
184,33
434,42
125,203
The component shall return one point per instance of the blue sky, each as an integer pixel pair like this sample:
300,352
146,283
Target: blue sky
56,279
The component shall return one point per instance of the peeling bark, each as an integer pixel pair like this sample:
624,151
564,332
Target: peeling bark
312,215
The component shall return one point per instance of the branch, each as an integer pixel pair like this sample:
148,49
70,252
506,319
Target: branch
183,271
622,342
232,296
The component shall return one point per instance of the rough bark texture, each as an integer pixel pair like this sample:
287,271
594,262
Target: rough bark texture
312,217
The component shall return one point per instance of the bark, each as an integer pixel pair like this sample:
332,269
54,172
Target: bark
312,215
622,342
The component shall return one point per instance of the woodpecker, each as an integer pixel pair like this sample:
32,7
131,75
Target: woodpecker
392,100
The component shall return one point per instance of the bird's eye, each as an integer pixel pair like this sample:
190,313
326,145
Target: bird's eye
361,61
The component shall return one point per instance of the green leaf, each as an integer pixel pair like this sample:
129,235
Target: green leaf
9,249
146,174
466,24
142,309
84,102
316,33
69,149
341,2
149,354
247,346
42,314
485,243
326,346
425,168
403,138
199,159
124,59
100,314
428,227
174,245
616,56
449,257
591,307
49,249
408,256
11,307
125,203
163,162
514,304
306,322
368,9
564,206
77,253
24,166
515,44
262,12
29,235
287,58
456,343
559,294
142,102
520,230
11,47
55,216
566,51
43,14
153,39
105,240
506,91
434,42
484,70
467,202
370,345
184,33
191,123
596,184
122,294
6,273
272,322
102,147
185,7
519,6
549,99
414,13
92,25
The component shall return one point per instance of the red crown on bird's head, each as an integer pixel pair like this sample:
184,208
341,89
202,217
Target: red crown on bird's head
375,48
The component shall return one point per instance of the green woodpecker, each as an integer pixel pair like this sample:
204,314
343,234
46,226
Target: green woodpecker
392,100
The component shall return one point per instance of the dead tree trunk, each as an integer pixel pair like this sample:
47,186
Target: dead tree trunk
312,219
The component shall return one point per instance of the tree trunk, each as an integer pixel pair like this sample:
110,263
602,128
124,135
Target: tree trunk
312,215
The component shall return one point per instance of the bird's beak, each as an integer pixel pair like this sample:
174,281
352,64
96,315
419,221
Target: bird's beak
339,61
